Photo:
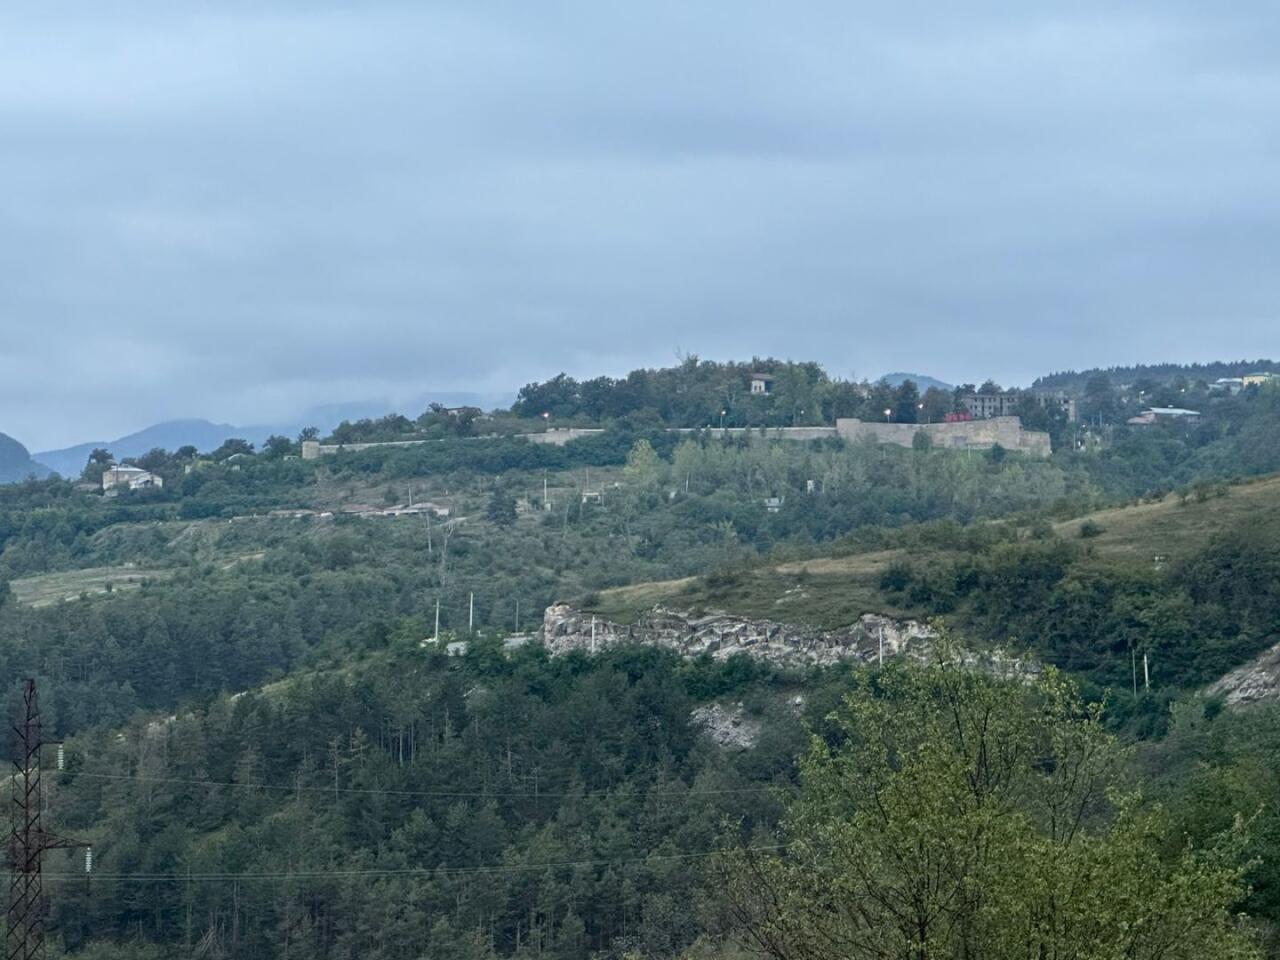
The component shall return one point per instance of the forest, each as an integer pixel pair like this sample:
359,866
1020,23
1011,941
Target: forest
273,755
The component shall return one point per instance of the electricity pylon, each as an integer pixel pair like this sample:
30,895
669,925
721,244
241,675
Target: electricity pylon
28,841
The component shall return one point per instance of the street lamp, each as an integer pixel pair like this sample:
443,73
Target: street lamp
887,414
920,407
722,416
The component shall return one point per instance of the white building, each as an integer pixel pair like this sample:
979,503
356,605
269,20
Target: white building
132,478
1166,415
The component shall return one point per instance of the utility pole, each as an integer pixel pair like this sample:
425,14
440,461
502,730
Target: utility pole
437,636
471,612
28,840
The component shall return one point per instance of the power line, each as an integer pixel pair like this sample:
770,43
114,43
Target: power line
445,794
413,871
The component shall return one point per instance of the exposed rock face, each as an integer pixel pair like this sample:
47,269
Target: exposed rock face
1255,681
720,635
728,726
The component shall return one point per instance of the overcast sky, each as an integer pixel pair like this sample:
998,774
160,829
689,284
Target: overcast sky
242,212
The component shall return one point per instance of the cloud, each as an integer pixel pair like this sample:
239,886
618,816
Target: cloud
243,211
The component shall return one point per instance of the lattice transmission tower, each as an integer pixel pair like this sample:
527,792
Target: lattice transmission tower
28,841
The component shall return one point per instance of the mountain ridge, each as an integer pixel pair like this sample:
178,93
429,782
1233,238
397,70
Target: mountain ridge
206,435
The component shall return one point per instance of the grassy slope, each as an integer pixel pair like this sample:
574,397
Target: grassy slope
834,591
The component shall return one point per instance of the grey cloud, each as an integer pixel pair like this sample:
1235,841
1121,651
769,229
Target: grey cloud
247,210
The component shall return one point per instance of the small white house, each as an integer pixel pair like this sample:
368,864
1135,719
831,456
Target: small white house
761,384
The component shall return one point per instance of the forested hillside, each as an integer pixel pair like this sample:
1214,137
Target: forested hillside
273,755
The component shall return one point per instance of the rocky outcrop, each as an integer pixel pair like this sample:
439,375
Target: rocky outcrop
720,635
1253,682
730,727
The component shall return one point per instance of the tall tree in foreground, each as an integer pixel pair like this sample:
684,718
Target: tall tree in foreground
948,813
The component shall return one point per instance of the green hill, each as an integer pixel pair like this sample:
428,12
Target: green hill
1190,580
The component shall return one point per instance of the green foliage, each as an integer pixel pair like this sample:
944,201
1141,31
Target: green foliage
466,806
502,507
947,813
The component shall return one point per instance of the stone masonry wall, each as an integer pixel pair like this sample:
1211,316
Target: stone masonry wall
968,435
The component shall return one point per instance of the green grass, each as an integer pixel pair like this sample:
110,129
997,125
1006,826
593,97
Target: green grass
827,592
51,588
1173,528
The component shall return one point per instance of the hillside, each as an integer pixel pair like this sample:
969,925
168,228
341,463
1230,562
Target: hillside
1163,575
260,629
16,464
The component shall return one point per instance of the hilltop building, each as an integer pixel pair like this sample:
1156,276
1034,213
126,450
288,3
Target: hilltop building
761,384
132,478
984,406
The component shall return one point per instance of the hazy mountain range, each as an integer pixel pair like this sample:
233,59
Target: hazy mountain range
206,435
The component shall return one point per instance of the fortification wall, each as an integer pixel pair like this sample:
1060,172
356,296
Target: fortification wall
559,437
972,435
314,450
969,435
766,433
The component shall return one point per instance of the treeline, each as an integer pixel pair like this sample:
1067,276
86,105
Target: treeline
1181,374
701,393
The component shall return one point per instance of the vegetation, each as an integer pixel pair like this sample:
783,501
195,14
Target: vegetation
948,813
240,662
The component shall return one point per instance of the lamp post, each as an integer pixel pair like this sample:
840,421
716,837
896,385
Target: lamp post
920,407
722,416
887,414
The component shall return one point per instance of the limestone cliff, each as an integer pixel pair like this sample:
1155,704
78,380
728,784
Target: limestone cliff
722,636
1252,682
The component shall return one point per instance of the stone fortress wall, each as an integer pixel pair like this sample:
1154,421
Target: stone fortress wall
969,435
966,435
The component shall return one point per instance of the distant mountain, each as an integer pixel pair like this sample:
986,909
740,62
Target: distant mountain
16,464
205,435
919,379
170,435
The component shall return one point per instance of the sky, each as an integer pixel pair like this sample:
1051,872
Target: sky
240,210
